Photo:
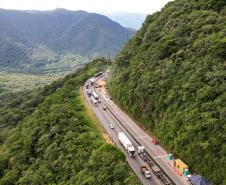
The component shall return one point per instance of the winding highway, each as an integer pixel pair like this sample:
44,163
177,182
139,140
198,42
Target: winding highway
114,121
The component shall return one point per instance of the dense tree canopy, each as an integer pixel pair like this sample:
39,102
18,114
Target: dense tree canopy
47,138
171,77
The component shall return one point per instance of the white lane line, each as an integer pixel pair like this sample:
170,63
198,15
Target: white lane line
160,156
141,137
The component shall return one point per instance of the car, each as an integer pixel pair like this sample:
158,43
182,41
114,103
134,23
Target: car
99,101
104,107
154,141
187,177
145,172
88,93
111,125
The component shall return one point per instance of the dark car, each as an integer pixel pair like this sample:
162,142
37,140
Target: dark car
88,93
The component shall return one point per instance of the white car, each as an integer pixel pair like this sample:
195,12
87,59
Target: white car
111,126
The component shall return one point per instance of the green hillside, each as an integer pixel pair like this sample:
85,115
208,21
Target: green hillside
171,77
31,39
47,138
52,44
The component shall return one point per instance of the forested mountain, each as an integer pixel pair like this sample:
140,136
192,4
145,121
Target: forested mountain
171,77
46,137
33,39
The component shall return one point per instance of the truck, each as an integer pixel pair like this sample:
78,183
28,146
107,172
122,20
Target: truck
92,81
124,140
145,172
98,74
140,149
88,93
94,101
143,155
95,95
159,174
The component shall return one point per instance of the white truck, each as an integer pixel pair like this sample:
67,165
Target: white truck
95,95
92,81
93,101
124,140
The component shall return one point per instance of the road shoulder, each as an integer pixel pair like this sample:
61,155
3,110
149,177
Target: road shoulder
101,130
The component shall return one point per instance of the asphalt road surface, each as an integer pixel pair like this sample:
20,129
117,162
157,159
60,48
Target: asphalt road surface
123,123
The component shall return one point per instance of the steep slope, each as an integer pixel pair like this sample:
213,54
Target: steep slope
60,31
46,137
171,77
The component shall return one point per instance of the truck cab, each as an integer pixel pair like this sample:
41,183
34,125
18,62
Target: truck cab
131,151
88,93
94,101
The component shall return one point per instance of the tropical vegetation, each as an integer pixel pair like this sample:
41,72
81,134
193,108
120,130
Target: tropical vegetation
171,78
46,137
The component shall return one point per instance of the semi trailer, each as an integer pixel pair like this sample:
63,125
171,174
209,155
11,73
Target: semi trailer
124,140
93,101
92,81
95,95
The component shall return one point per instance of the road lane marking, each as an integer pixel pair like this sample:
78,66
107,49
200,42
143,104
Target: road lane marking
141,137
160,156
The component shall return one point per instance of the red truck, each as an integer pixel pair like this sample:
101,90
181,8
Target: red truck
145,172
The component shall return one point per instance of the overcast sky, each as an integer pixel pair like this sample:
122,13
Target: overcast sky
110,6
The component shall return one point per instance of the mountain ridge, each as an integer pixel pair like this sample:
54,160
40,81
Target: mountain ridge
61,31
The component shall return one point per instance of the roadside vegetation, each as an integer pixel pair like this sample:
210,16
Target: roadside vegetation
46,137
171,78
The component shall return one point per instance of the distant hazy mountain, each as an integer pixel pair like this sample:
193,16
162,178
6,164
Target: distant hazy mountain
132,20
30,36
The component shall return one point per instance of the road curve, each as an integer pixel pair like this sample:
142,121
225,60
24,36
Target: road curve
123,123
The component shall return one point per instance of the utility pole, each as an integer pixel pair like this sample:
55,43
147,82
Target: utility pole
108,59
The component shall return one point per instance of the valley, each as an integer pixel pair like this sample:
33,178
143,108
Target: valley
46,45
85,100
